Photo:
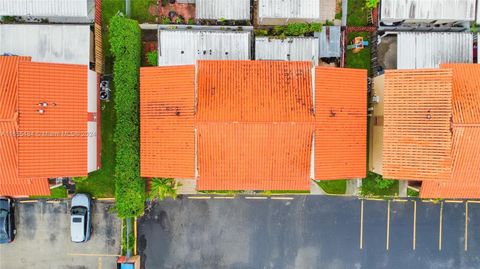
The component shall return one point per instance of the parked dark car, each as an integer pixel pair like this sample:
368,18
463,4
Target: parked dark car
7,220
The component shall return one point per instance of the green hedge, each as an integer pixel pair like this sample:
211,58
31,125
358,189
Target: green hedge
125,44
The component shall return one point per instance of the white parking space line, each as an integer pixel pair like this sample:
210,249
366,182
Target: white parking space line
361,225
281,198
224,197
453,201
466,227
440,228
199,197
28,201
388,226
256,198
414,225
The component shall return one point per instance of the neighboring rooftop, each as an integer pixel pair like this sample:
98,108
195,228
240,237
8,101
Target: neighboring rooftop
248,125
272,12
416,128
44,8
68,44
43,119
223,9
429,50
464,181
185,47
437,11
288,49
329,39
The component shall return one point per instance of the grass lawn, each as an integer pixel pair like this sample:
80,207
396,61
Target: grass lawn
333,186
359,60
100,184
357,13
56,193
371,187
140,10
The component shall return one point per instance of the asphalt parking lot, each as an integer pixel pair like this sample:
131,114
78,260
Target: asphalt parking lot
309,232
43,238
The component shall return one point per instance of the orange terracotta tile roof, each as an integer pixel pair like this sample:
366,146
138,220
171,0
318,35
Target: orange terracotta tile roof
254,156
55,144
167,132
417,139
254,91
254,124
29,154
341,123
465,177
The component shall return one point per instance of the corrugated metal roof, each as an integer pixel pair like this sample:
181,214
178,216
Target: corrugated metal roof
454,10
329,42
293,9
289,49
254,156
254,91
55,142
340,123
429,50
417,140
465,178
47,43
185,47
44,8
222,9
167,132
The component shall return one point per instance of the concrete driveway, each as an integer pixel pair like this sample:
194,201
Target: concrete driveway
309,232
43,238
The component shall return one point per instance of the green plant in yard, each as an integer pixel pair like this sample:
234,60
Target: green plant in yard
412,193
296,29
329,23
357,13
261,32
126,48
361,60
161,188
316,27
221,19
333,186
55,193
165,20
191,21
375,185
474,28
79,179
152,58
371,4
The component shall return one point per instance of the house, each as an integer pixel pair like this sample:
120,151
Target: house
238,10
274,12
57,11
184,46
62,45
252,125
435,12
46,122
288,49
426,128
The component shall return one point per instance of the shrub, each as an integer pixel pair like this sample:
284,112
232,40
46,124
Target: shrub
126,49
371,4
152,58
296,29
261,32
317,27
79,179
165,20
162,188
191,21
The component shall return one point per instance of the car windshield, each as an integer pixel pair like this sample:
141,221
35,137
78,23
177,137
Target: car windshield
79,210
3,225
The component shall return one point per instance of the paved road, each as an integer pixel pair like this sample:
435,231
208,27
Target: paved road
309,232
43,239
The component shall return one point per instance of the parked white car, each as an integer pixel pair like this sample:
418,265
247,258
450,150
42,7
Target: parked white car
81,218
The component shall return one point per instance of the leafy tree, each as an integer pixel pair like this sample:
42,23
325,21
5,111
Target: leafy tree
371,4
162,188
